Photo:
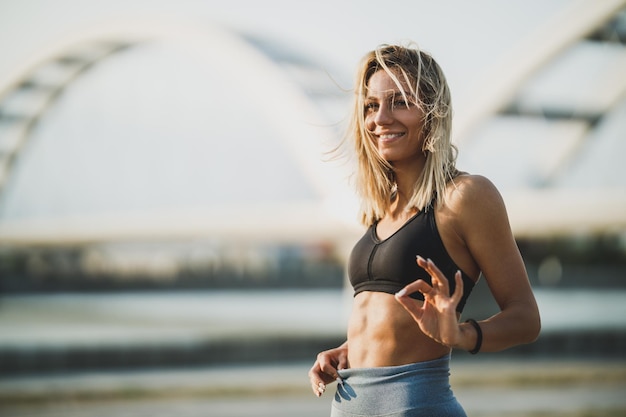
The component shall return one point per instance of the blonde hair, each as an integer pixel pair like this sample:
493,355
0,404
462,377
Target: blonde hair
428,88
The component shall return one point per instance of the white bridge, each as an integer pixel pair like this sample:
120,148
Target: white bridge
261,119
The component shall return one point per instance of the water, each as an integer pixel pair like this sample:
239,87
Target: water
576,309
489,395
151,317
570,402
139,317
52,321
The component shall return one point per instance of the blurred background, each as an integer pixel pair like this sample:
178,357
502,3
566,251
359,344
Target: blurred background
173,230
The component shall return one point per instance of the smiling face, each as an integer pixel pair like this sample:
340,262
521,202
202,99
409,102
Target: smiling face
395,141
396,123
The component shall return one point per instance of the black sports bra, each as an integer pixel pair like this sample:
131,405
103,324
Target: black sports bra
388,265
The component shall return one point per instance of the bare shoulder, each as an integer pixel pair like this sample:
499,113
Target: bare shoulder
471,192
472,215
476,208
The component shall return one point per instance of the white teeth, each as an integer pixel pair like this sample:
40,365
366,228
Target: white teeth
391,136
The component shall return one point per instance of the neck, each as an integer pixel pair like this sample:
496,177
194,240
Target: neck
406,177
398,207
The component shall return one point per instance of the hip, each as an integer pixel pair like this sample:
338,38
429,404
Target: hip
417,389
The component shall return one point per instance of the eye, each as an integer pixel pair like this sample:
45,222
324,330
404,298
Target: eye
371,107
400,102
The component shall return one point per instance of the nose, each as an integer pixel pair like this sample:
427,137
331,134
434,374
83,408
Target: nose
383,116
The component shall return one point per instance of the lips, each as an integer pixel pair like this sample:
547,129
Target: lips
390,137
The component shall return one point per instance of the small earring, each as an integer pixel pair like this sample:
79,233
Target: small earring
394,191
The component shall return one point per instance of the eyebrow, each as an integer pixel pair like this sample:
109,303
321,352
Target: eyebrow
385,94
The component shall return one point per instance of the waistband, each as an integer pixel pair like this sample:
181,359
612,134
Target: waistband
386,371
412,390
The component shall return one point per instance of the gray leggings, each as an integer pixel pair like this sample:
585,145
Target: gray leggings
414,390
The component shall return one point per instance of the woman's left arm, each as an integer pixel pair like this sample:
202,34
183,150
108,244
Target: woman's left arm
484,226
482,223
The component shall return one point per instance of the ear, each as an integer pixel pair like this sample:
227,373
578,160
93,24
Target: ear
428,144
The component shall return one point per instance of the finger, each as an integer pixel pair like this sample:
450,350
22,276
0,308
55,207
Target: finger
422,262
318,389
317,384
437,284
430,267
458,290
439,280
414,307
328,369
442,282
343,362
418,285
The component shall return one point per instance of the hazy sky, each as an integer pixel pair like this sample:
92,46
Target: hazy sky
465,36
468,38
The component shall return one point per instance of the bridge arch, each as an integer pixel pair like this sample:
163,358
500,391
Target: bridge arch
299,125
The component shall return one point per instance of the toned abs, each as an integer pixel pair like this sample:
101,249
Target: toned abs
382,333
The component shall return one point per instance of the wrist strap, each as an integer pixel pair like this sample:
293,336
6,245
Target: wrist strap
479,336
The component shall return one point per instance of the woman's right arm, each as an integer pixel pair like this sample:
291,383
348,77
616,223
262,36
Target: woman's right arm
324,370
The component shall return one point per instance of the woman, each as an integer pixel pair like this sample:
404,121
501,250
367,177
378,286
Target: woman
432,230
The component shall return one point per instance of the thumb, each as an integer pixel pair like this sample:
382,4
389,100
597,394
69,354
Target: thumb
343,363
410,305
